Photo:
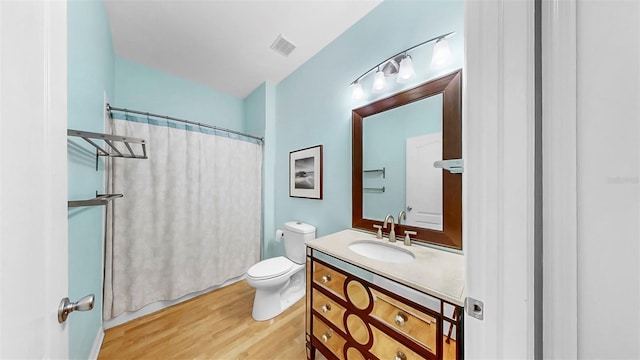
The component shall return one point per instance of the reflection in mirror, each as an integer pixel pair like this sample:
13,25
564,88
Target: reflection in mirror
405,142
396,140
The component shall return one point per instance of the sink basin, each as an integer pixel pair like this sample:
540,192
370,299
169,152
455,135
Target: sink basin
382,252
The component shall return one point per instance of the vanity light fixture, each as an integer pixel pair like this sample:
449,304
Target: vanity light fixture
441,54
406,71
379,82
441,58
357,92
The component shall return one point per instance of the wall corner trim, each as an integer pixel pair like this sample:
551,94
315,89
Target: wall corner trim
97,344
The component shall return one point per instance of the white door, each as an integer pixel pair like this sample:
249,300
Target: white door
33,178
424,181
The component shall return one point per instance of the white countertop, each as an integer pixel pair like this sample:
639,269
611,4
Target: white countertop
436,272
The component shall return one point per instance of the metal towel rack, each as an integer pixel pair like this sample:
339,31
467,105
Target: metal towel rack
383,171
110,140
374,189
103,199
454,166
100,199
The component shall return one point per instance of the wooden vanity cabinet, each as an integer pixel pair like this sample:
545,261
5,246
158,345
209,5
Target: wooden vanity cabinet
348,318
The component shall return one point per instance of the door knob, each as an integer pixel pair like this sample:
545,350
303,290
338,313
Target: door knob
66,306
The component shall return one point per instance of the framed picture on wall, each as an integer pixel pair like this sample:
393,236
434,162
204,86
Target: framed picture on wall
305,173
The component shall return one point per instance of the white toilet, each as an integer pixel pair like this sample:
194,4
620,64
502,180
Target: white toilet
280,281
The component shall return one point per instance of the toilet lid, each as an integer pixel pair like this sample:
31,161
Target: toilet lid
270,267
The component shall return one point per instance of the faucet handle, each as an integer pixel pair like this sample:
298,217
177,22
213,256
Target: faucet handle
379,234
407,238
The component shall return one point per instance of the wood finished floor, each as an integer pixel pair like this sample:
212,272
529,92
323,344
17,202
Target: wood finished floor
217,325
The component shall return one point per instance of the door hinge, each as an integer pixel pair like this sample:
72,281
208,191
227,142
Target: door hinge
474,308
454,166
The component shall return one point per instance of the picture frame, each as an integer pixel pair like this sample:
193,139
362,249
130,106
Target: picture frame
305,173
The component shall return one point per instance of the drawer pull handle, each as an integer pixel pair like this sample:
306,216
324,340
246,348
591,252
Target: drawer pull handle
326,336
400,356
326,308
401,318
326,278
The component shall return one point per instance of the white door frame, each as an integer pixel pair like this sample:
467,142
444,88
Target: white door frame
498,182
560,264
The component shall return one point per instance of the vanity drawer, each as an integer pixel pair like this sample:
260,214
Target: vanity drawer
384,347
329,278
405,319
332,340
329,309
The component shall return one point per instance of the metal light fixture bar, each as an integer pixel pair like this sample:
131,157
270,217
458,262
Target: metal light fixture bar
400,53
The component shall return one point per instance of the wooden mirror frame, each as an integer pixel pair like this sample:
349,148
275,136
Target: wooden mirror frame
450,88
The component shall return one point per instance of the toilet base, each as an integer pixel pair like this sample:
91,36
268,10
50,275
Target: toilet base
269,303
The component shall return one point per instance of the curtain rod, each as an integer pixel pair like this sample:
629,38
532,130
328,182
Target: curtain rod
110,108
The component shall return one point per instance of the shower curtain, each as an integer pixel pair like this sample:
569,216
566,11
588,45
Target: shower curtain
190,216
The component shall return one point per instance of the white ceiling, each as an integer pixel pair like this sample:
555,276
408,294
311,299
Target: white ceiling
225,45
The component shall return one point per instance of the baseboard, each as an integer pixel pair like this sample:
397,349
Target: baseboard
97,344
159,305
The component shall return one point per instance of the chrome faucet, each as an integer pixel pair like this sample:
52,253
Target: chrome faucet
402,216
392,232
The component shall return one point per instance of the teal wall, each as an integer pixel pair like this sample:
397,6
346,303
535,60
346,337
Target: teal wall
268,174
313,105
142,88
384,146
259,120
90,77
255,111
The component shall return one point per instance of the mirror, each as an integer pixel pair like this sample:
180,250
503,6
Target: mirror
395,143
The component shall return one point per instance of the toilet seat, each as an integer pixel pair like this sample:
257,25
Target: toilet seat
270,268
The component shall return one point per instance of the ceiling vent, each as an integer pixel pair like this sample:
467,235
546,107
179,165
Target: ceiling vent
283,46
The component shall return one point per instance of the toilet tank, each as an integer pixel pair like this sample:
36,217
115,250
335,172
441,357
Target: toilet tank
295,235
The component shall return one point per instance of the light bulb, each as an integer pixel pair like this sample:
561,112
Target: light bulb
357,92
379,82
406,71
441,54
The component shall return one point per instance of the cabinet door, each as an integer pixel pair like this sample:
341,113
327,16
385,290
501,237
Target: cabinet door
328,337
329,279
330,310
385,347
407,320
